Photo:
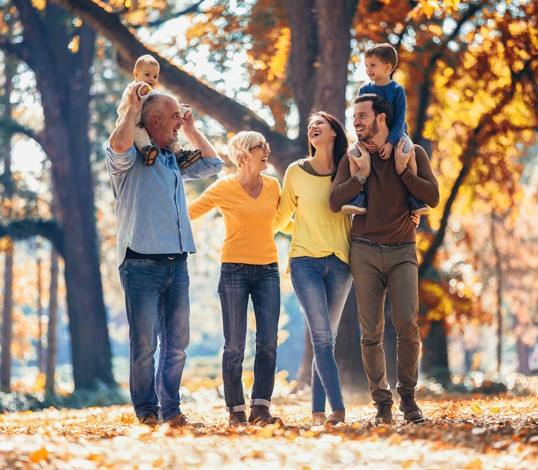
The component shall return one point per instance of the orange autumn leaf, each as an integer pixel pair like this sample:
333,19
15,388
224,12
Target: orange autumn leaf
38,455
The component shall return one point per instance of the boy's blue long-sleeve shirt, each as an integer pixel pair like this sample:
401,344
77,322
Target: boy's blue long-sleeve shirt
394,93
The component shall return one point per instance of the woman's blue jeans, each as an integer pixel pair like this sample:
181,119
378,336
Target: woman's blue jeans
237,282
322,286
157,303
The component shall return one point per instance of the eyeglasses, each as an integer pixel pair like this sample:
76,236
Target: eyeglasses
263,146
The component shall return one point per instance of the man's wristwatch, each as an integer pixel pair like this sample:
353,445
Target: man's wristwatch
362,179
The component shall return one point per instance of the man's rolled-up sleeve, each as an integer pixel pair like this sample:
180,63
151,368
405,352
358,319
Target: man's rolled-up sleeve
203,167
119,162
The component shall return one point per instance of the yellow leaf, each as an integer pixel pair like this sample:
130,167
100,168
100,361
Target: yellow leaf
495,409
476,408
39,4
268,431
74,44
474,465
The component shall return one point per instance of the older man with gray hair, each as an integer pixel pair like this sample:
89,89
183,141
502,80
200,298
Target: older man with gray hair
154,237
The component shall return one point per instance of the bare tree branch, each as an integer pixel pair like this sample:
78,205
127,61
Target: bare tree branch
24,229
12,127
195,7
15,50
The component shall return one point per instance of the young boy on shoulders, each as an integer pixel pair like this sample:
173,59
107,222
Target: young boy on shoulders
380,61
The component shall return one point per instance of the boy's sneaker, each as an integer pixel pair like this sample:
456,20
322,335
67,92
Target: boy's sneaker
185,158
357,206
416,206
149,153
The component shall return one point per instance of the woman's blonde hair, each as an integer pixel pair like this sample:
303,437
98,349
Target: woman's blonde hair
241,143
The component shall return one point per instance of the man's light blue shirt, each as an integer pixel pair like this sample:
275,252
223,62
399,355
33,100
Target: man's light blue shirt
151,207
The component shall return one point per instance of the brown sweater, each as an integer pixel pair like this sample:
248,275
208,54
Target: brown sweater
388,218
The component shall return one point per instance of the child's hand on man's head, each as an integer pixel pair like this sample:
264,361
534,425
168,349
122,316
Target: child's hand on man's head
386,150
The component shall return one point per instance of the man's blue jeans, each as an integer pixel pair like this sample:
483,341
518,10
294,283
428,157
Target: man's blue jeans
237,282
157,301
322,286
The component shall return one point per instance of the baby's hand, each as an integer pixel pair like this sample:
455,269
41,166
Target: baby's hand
386,150
143,89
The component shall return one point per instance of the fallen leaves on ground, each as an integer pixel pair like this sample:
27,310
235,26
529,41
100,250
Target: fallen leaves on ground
471,433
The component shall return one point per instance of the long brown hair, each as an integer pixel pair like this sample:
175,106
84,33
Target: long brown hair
340,141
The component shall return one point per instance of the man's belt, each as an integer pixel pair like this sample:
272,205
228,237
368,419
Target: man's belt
365,241
155,257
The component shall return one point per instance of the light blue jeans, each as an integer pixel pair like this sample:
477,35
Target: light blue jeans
322,286
238,282
157,302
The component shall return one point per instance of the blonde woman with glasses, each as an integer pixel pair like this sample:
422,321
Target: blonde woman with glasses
248,201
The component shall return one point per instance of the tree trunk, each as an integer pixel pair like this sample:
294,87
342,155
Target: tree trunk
7,310
334,36
522,357
499,290
435,353
64,78
7,320
39,311
52,333
348,351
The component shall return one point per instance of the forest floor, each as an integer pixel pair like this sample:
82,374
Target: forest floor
473,432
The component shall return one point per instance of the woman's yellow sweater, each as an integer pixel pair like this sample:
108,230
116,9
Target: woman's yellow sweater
317,232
